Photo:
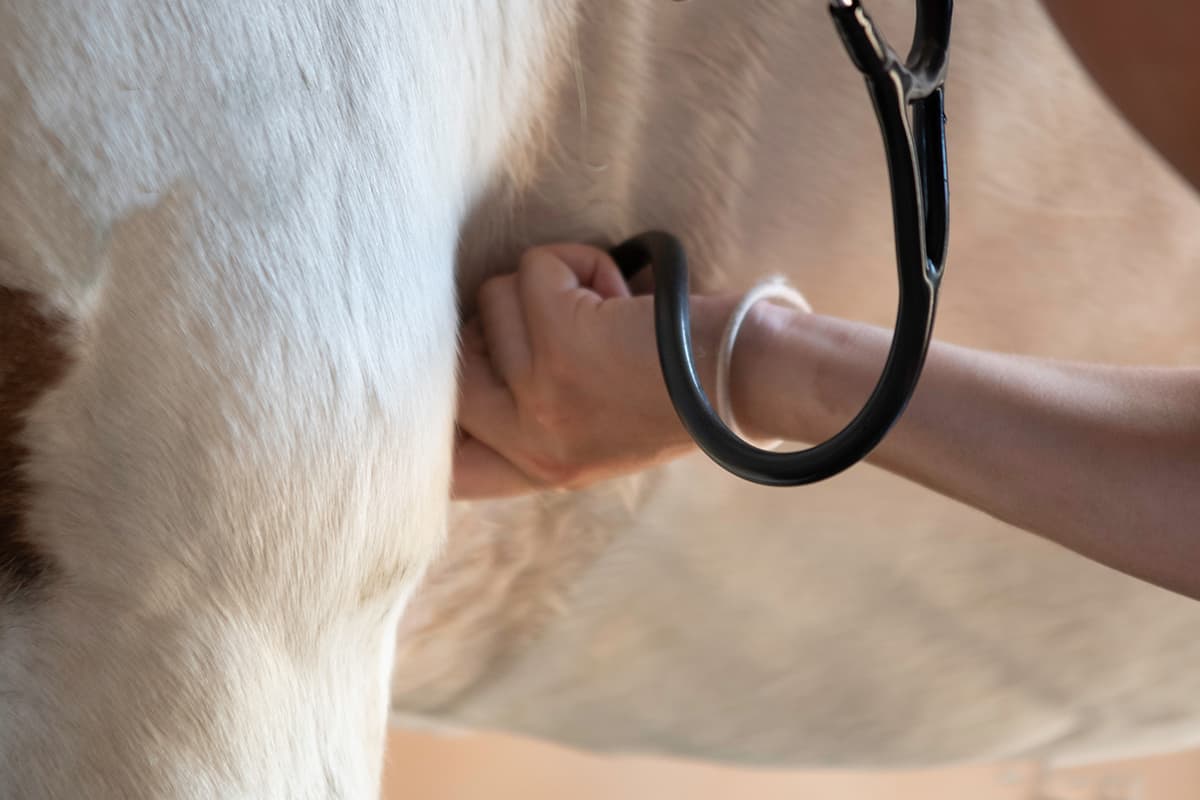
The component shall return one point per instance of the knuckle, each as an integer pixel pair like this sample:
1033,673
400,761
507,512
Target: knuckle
493,289
535,263
531,258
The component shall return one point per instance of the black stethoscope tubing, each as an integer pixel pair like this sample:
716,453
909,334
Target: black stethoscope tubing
915,147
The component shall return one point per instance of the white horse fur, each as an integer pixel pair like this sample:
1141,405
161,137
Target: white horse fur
249,215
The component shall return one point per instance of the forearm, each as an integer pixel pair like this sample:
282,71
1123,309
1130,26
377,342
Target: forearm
1103,460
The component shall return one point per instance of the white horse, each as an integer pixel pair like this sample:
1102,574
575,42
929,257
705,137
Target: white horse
228,237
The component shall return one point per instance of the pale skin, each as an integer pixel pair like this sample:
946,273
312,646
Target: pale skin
561,385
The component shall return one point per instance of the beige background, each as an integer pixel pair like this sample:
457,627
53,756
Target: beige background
500,768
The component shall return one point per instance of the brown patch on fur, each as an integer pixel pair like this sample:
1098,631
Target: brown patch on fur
31,361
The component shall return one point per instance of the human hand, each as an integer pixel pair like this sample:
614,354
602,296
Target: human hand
560,383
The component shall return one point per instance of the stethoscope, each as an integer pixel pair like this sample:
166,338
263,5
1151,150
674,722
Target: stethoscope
916,154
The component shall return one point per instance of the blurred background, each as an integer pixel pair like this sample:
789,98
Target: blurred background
475,767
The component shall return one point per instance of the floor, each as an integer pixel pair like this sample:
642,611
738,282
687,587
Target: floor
501,768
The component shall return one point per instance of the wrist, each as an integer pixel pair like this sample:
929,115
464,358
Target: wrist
765,370
799,376
710,313
779,358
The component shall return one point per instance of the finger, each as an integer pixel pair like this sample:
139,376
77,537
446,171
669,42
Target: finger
594,268
487,409
485,401
554,281
480,472
504,330
608,282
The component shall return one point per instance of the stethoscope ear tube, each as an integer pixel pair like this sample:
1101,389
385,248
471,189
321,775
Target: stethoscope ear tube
916,155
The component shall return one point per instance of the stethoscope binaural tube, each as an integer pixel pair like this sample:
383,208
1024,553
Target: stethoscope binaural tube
916,155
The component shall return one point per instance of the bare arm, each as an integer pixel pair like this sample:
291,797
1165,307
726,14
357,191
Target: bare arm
561,388
1103,460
